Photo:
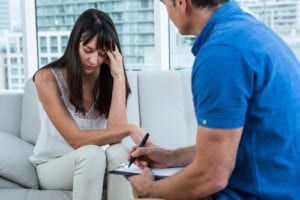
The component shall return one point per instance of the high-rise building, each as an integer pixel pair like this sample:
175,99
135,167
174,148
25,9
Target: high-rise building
11,66
4,15
133,19
4,27
3,82
283,16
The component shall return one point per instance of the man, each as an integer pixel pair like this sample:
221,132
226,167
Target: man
246,93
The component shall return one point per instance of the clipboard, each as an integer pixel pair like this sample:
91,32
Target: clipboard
158,173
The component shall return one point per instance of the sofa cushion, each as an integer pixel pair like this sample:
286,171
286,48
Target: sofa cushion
30,124
166,107
190,117
133,99
4,183
14,163
10,118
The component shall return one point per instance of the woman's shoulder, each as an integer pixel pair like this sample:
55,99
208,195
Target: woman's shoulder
45,79
44,75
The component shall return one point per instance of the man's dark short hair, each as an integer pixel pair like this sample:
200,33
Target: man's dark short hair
206,3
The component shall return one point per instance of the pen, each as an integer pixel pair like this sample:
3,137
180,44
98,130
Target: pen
143,142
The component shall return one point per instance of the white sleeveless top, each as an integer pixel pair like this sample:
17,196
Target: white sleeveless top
50,144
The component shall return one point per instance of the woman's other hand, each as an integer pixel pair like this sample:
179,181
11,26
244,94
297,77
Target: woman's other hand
137,134
115,63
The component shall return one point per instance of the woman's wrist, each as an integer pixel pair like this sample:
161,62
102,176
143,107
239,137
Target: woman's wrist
118,75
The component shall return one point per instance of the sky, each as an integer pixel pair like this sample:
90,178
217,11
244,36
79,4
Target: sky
15,11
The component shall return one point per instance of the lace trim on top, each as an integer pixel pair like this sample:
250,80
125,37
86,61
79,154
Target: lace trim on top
90,114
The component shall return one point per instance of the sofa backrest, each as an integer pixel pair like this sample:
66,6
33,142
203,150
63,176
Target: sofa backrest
166,108
10,115
160,102
30,124
133,112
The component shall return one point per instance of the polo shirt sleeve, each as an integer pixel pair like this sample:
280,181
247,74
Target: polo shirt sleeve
222,84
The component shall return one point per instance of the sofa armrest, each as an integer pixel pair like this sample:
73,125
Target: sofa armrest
10,118
14,163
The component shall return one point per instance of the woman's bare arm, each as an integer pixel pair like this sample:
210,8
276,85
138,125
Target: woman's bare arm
49,96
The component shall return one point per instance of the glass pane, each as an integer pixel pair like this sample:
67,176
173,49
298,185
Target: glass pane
180,49
11,46
133,19
282,16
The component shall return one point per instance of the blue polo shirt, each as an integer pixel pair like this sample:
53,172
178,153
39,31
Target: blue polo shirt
244,75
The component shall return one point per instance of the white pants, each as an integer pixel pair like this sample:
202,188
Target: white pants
83,171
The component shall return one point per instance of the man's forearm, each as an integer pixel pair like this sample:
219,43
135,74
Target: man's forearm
187,184
181,157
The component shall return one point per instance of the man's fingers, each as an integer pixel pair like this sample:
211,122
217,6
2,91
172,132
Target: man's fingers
139,151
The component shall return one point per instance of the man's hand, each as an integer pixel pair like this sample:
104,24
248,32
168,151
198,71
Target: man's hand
142,183
151,156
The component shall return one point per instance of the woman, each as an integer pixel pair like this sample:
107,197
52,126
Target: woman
82,98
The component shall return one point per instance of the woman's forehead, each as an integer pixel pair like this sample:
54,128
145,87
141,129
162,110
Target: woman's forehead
101,41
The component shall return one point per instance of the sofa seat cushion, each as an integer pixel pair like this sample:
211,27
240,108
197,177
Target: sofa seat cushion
30,194
14,163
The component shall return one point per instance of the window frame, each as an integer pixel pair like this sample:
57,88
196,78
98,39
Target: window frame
29,31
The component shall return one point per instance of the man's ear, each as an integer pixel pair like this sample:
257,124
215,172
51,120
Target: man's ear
182,5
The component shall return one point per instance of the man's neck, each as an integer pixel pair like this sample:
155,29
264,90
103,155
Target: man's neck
200,17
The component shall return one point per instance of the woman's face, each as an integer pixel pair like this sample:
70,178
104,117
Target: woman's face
91,58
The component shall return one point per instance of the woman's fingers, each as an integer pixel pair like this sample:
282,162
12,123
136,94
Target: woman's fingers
115,62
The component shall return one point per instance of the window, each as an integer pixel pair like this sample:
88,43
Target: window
14,81
3,50
282,16
43,44
21,45
148,39
14,61
14,71
44,61
53,41
54,49
144,3
134,21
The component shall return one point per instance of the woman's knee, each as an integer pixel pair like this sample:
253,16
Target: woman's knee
116,154
91,156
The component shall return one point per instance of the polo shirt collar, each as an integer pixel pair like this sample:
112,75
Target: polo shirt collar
221,13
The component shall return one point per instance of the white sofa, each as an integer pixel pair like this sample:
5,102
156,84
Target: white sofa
161,103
